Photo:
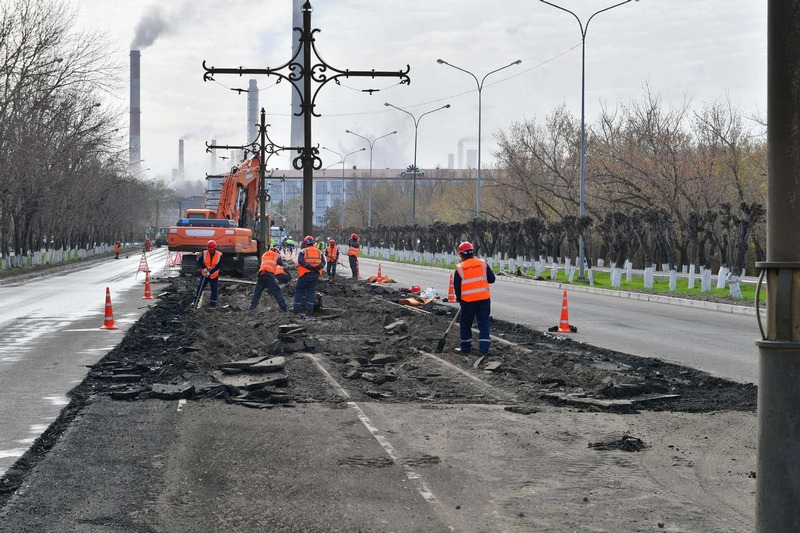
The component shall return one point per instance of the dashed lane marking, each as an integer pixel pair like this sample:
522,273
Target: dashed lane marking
410,473
181,403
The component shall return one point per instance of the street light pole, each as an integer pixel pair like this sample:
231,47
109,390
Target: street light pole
369,182
480,89
581,208
343,158
416,134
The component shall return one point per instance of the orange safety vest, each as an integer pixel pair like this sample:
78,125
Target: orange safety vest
313,258
116,248
211,262
269,262
279,270
332,254
351,250
474,282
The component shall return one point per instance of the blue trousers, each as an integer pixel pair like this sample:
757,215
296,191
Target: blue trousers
214,284
268,281
353,265
305,292
471,311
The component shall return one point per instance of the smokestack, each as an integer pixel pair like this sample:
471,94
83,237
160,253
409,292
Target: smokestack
180,158
136,112
298,127
252,111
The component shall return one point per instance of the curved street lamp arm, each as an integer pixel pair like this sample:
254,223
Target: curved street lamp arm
443,62
517,62
598,12
404,111
432,111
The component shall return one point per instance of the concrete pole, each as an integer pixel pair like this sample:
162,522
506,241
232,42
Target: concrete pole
778,469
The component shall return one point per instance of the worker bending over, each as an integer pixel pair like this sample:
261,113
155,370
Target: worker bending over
209,263
270,261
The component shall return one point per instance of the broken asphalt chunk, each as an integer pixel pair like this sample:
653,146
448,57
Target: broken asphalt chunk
169,391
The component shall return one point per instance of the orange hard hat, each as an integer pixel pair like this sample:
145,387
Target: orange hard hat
465,248
211,245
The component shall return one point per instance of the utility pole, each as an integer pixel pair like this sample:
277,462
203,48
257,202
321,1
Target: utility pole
301,76
266,149
778,481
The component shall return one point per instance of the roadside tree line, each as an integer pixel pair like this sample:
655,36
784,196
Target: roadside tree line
664,186
64,178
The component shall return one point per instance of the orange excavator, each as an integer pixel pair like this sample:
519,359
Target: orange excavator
232,225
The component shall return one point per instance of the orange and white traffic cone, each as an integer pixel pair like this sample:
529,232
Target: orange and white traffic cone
563,326
379,277
108,323
147,294
451,292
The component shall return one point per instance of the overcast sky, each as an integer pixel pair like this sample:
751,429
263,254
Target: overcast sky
700,50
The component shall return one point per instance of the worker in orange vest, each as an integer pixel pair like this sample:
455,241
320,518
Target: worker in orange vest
117,249
270,261
209,263
281,275
310,264
331,258
352,254
471,286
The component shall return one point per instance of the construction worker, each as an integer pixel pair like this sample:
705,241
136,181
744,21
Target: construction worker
117,249
471,286
289,243
320,244
331,258
270,261
281,275
310,264
352,254
209,263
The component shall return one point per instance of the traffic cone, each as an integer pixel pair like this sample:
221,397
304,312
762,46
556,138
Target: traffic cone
108,323
451,292
379,277
147,294
563,326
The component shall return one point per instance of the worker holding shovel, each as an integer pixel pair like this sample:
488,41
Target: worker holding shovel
266,279
471,286
331,258
209,263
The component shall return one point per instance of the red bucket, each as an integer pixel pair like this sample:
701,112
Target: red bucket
415,289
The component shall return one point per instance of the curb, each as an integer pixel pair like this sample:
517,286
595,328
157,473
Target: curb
655,298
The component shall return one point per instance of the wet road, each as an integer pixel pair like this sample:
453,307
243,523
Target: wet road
51,333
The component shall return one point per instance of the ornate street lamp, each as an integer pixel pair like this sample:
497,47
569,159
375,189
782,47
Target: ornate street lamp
343,158
581,208
480,89
369,184
416,169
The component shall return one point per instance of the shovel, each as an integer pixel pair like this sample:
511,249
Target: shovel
440,346
199,292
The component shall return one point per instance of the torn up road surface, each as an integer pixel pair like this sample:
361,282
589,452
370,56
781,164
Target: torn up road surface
346,421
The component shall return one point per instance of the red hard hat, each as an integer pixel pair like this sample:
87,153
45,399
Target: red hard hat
211,245
275,249
332,242
354,236
465,248
308,240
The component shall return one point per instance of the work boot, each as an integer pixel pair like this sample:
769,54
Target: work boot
461,351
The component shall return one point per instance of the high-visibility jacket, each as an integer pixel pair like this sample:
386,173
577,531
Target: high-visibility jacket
332,254
117,248
279,270
353,248
211,263
312,257
474,281
269,262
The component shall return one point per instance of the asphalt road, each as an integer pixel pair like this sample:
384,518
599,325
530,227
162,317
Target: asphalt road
51,333
722,344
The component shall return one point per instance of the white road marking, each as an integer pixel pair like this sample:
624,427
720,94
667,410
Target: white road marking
412,475
497,393
181,403
13,452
